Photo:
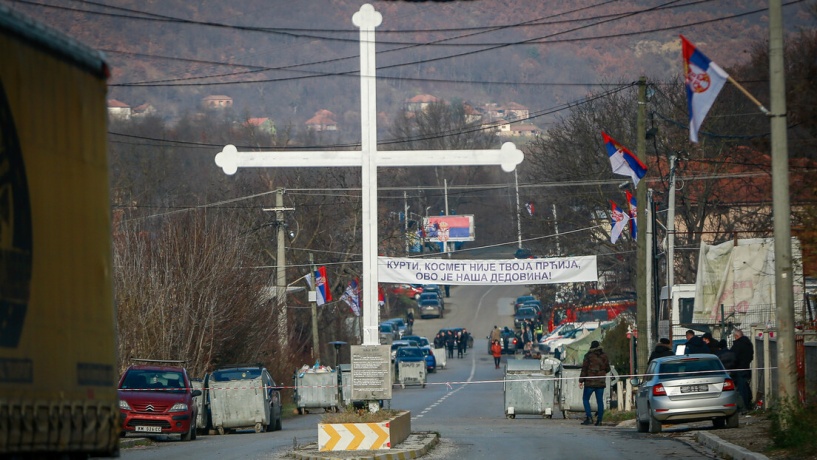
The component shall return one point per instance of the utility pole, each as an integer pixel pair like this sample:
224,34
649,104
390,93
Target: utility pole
518,217
673,158
642,325
784,295
316,341
405,221
280,266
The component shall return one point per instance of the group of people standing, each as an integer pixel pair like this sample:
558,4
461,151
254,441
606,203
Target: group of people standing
451,341
736,359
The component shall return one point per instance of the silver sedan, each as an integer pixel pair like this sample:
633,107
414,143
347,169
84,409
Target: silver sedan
686,388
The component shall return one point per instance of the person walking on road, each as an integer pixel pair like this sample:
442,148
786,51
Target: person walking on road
744,354
496,334
496,352
450,341
460,344
593,377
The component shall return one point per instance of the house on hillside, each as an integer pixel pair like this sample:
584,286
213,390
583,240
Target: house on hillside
518,130
262,124
472,114
420,102
216,102
511,111
143,110
324,120
118,109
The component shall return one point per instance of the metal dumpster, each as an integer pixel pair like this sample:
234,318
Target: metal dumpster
239,404
570,399
441,357
411,373
316,389
346,383
531,387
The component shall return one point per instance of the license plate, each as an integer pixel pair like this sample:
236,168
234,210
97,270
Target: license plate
694,388
149,429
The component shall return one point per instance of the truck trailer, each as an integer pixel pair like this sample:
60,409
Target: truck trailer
57,321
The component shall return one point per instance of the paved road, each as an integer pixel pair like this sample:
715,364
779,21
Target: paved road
464,403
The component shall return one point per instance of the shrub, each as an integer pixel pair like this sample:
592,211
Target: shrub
793,426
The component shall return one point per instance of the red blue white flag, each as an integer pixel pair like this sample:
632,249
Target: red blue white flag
703,80
633,211
352,296
529,206
623,161
323,293
619,221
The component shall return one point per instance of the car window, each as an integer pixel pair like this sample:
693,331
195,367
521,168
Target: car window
138,379
236,374
409,353
687,368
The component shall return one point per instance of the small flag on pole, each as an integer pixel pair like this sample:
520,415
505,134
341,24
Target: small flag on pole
703,80
529,206
323,293
623,161
619,221
633,214
352,297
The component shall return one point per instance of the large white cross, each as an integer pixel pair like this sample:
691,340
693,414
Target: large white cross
508,156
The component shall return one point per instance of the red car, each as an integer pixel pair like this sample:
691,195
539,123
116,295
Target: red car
408,290
157,399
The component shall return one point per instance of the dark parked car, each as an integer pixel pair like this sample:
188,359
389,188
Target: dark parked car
685,388
524,314
509,341
520,300
435,288
430,308
158,399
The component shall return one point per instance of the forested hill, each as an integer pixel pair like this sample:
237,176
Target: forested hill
286,60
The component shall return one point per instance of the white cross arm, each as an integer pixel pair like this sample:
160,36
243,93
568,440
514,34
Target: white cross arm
229,159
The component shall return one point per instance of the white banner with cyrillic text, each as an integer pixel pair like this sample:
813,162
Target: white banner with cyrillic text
503,271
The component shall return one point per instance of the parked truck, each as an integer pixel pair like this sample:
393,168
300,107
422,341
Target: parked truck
58,369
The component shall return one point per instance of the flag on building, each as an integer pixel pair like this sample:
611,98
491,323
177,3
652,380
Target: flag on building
619,221
322,291
703,80
633,214
530,208
623,161
352,296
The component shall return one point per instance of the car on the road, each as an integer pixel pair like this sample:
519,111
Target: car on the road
431,295
524,314
388,333
430,308
685,388
521,300
509,341
421,341
431,360
428,288
158,399
397,344
400,323
408,354
409,290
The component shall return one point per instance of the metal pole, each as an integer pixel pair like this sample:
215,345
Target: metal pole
518,216
648,267
784,295
445,185
642,349
405,221
671,229
316,341
280,270
556,230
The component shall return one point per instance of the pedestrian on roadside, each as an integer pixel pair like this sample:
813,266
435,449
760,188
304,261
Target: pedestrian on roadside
727,356
496,334
694,344
744,355
450,342
662,348
496,352
466,336
593,378
460,345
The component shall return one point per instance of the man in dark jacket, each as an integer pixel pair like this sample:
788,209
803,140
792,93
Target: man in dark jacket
744,354
726,355
450,341
662,348
593,377
694,344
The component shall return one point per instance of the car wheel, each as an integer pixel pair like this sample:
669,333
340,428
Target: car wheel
642,427
189,435
278,426
654,426
733,420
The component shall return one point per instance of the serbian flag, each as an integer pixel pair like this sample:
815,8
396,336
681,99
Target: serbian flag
352,297
623,161
703,80
530,207
322,291
619,221
633,214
